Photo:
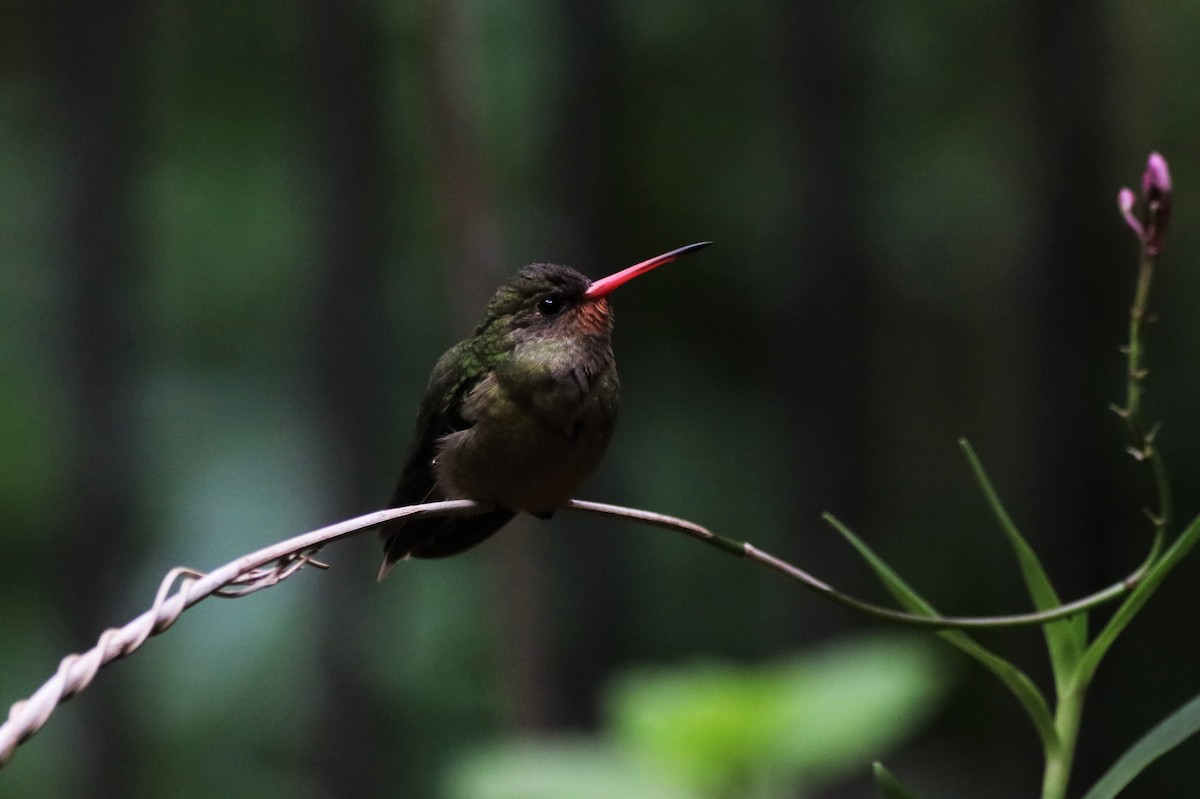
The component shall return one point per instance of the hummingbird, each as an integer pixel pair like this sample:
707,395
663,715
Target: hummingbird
517,416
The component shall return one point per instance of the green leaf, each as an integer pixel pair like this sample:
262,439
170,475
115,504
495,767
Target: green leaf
1179,549
1168,734
793,723
1013,678
1065,639
889,786
562,768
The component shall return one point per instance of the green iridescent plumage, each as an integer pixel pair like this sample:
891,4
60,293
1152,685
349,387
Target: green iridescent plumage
518,415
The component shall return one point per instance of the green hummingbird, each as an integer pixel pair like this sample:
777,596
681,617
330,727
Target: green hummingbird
518,415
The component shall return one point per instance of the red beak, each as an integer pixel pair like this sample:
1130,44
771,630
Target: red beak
605,285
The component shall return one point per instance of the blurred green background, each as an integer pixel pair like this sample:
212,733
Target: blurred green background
234,236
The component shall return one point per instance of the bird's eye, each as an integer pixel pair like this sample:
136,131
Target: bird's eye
550,306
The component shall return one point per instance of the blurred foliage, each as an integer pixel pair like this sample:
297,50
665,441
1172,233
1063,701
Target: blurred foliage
800,722
715,729
229,256
560,768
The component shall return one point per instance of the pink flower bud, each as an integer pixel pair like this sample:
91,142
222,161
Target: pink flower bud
1156,193
1156,176
1125,201
1151,228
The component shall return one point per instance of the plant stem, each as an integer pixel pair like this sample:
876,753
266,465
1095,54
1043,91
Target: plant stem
1073,687
1142,445
743,549
1067,717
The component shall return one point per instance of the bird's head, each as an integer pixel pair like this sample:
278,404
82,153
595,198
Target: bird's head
548,299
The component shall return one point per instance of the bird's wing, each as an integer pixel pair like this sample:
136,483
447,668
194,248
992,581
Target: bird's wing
440,414
456,373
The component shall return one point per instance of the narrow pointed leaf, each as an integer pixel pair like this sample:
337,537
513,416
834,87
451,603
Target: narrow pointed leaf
890,787
1013,678
1178,549
1065,639
1168,734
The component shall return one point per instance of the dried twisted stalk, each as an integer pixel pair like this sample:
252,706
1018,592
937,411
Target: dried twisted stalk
180,589
184,587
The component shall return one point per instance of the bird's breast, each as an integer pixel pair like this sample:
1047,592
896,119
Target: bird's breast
540,423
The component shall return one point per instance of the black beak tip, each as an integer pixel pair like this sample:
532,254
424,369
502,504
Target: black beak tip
687,248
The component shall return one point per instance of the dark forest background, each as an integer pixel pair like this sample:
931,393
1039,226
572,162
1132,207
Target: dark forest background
234,236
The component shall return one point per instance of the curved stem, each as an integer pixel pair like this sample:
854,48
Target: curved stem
182,588
751,552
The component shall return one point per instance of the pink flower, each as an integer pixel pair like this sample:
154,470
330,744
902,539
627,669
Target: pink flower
1156,176
1125,200
1151,228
